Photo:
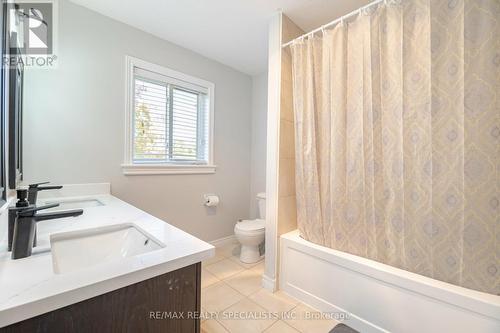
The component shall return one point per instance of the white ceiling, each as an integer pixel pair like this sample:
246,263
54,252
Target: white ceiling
233,32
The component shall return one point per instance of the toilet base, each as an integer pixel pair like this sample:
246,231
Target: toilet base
249,254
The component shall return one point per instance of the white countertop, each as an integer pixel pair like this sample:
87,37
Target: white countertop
29,287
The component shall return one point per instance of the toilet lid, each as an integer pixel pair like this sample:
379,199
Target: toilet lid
251,225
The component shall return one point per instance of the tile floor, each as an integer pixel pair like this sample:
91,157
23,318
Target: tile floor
231,293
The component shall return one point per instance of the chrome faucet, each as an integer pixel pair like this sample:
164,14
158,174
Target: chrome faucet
25,227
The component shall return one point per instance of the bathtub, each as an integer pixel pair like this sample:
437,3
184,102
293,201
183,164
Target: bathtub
378,297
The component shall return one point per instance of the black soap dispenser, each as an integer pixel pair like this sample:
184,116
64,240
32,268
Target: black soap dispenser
22,203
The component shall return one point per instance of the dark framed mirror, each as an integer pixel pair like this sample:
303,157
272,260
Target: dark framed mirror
12,99
4,90
15,120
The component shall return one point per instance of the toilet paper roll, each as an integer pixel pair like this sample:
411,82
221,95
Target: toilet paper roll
211,200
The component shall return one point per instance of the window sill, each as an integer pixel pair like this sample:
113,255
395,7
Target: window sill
162,169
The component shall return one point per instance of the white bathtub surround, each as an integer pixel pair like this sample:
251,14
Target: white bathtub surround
30,287
381,298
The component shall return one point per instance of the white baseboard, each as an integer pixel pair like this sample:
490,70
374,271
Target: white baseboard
224,241
269,283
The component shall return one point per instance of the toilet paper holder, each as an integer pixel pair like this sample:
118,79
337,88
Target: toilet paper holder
211,200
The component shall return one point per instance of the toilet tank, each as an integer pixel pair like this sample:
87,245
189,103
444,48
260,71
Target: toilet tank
261,200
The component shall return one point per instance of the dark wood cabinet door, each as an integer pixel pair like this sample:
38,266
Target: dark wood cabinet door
167,303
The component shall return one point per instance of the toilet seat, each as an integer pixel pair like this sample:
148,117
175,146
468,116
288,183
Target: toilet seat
251,226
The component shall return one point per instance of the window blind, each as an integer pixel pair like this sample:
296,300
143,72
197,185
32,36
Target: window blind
170,121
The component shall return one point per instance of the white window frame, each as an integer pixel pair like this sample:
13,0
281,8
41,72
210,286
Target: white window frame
131,168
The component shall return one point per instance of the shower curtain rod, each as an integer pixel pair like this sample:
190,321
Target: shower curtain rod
340,19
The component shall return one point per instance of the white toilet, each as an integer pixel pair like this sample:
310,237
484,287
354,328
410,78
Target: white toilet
250,233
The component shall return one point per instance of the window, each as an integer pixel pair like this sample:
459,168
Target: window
169,121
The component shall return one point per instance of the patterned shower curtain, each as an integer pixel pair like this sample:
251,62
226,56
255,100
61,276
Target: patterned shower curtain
397,125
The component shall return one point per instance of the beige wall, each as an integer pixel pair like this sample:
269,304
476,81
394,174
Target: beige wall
74,123
287,220
259,130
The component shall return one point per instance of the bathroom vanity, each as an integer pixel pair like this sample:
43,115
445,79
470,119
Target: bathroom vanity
115,268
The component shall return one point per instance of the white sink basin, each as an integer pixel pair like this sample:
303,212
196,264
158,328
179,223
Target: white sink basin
73,204
78,249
